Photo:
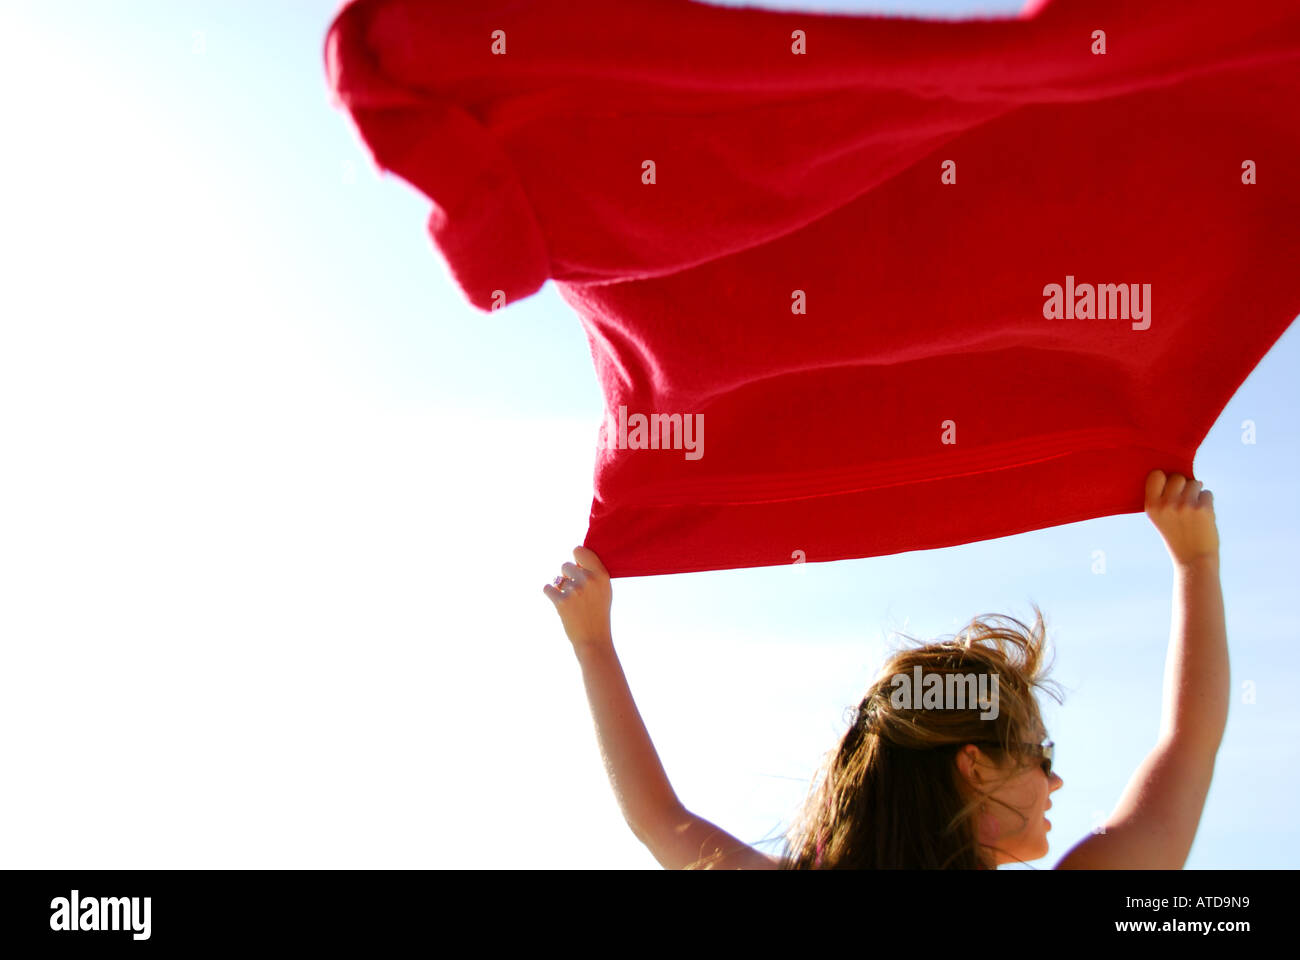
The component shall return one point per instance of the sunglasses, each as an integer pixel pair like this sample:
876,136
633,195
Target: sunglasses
1044,750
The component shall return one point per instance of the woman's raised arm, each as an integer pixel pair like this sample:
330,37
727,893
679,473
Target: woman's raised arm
676,837
1155,822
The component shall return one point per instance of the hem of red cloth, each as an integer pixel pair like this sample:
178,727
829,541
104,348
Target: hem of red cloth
812,484
848,526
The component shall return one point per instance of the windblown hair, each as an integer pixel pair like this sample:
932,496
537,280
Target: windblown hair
890,797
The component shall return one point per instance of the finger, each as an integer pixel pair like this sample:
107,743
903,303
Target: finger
589,560
1192,492
574,572
554,594
1155,485
1206,500
1174,487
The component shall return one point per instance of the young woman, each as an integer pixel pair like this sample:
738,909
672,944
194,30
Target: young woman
914,784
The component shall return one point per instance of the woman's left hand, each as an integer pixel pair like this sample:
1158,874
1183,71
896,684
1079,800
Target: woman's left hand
584,600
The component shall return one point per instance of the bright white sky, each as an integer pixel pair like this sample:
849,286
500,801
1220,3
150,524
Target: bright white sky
277,507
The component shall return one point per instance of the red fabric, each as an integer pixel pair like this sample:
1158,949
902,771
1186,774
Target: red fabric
821,172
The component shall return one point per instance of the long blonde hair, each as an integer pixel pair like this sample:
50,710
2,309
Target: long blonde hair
889,796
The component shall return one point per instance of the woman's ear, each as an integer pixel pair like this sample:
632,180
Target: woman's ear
968,764
975,768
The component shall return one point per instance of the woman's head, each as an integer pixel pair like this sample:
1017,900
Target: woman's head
1013,796
941,766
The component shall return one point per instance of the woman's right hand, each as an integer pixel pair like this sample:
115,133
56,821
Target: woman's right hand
1184,515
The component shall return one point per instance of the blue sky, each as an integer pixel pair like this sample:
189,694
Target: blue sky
279,506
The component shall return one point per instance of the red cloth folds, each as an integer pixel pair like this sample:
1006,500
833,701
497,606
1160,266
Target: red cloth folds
923,399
